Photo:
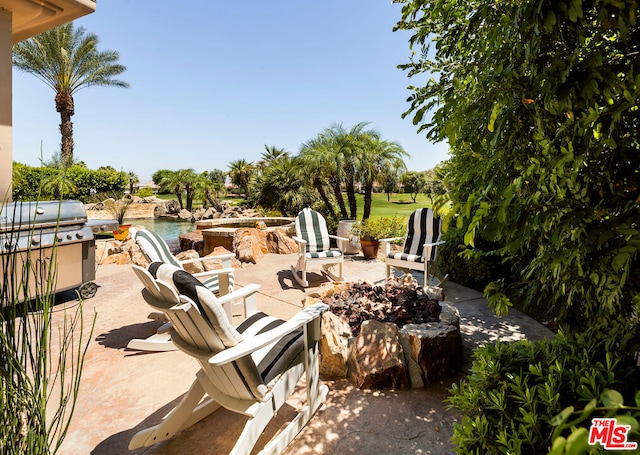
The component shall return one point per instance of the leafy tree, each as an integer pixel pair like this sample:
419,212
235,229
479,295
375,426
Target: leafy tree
67,60
281,186
208,188
218,177
319,164
390,179
173,180
434,183
414,183
241,172
539,104
159,177
271,154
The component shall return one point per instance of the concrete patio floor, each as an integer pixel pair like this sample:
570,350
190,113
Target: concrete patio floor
124,391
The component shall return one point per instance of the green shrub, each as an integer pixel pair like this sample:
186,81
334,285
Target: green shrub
145,192
470,267
514,390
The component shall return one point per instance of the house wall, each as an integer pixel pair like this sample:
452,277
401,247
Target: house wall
6,155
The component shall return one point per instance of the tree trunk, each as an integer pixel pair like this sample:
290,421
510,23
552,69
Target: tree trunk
368,190
64,105
351,191
213,201
317,183
178,192
337,192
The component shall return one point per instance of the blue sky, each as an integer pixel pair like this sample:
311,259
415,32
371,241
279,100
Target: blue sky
212,82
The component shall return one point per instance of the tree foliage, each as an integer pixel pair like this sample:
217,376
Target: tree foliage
539,103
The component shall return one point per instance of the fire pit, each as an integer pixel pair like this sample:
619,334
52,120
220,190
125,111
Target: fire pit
394,336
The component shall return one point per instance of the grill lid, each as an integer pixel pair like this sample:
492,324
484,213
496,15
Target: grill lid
38,214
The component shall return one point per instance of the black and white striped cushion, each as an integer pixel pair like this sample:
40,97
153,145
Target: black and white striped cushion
423,227
324,254
267,363
312,227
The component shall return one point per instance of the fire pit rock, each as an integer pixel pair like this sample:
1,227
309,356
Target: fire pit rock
377,354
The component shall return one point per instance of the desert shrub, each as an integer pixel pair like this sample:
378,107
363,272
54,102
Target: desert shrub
510,400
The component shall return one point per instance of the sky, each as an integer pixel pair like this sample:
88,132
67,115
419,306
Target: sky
212,82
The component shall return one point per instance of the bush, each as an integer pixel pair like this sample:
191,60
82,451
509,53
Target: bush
145,192
473,268
514,391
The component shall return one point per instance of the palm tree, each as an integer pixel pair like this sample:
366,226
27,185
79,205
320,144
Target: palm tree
271,154
67,60
376,158
133,179
208,188
241,172
320,164
173,180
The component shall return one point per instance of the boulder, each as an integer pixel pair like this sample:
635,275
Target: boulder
250,244
376,360
278,242
192,267
334,346
184,214
435,348
192,241
217,265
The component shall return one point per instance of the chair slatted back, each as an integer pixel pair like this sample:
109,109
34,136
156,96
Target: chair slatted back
154,247
312,227
423,227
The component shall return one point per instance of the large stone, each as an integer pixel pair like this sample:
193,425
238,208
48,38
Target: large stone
250,244
278,242
376,360
192,241
192,267
436,348
334,346
184,214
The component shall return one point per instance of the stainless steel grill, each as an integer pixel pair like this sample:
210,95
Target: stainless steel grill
46,234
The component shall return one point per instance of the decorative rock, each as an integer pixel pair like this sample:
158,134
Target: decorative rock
184,214
278,242
192,267
435,347
192,241
376,360
217,265
250,244
334,346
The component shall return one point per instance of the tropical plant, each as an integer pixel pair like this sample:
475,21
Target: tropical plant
317,160
539,104
172,180
133,178
35,372
117,207
67,60
241,172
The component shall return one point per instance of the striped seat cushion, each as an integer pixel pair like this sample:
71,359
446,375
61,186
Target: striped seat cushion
406,257
264,365
324,254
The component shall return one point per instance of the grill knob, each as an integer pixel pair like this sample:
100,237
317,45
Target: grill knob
79,234
35,240
69,236
60,237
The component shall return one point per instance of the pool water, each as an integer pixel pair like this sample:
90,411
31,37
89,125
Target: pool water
169,230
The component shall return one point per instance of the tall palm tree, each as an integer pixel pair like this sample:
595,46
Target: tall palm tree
133,179
67,60
376,158
271,154
319,163
173,180
241,172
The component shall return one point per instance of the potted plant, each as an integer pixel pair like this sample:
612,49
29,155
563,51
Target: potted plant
372,230
119,210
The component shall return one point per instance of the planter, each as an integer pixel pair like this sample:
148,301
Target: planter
369,247
344,230
122,233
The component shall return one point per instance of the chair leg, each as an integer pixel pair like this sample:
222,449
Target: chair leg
302,281
183,416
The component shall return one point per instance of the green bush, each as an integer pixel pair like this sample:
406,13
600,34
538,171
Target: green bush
470,267
145,192
514,392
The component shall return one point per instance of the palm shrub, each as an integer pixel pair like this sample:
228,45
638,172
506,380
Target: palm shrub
515,391
39,378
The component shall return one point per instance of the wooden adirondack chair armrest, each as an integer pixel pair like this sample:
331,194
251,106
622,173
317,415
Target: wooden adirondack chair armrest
386,244
302,245
225,258
341,241
207,273
247,294
248,346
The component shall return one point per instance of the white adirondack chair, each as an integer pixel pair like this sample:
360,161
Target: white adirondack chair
155,249
250,369
313,241
424,231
